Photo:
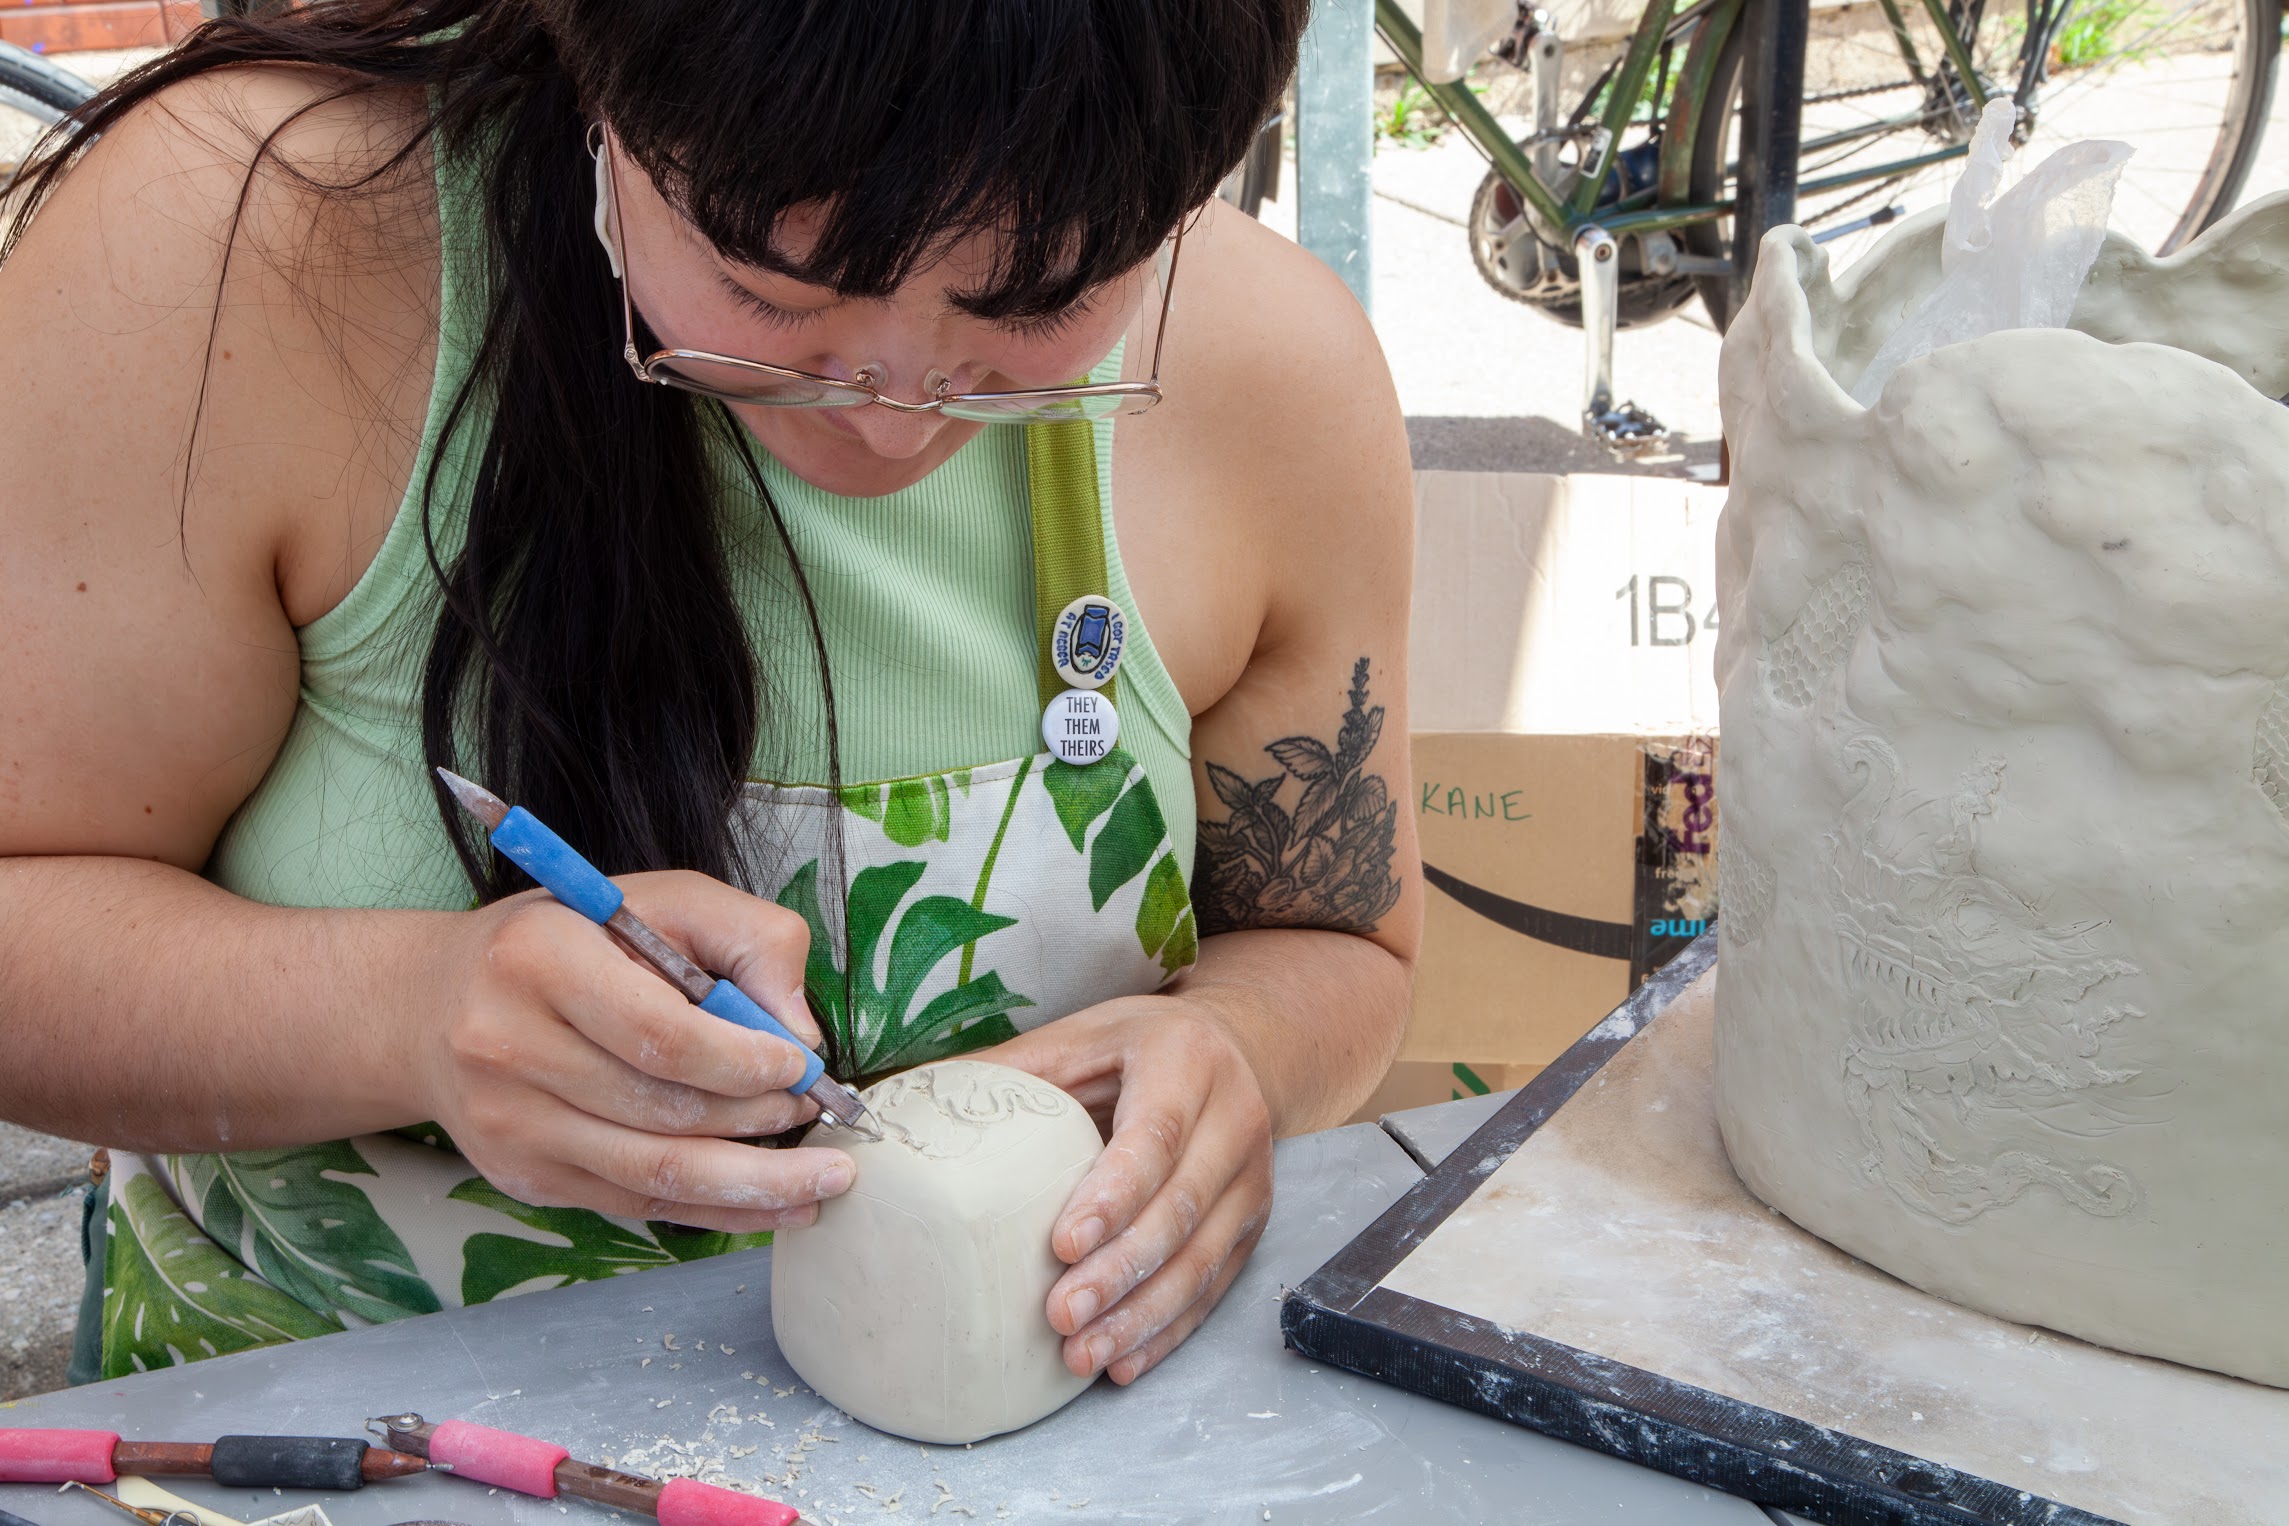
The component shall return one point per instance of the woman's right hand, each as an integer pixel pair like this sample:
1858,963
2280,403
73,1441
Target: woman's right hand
571,1074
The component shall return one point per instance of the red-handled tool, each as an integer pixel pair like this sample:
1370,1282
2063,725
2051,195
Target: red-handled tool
40,1456
509,1461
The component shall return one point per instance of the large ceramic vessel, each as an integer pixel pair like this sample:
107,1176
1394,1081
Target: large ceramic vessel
2003,1003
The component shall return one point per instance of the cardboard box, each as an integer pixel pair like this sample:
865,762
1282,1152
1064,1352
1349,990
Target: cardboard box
1563,704
1561,871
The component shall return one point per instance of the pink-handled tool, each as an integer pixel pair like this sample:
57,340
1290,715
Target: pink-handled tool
506,1460
40,1455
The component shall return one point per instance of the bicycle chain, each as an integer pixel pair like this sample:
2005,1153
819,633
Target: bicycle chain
1856,92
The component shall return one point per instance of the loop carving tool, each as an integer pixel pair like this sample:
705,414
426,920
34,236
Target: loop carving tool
572,879
506,1460
40,1456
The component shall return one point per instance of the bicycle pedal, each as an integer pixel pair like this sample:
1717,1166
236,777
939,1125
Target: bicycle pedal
1627,431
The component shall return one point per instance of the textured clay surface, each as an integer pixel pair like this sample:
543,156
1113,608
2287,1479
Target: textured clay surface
918,1301
2005,675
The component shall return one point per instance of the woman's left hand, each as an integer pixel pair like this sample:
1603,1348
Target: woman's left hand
1161,1224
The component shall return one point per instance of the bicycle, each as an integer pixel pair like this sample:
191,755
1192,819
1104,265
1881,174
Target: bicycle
1626,207
34,95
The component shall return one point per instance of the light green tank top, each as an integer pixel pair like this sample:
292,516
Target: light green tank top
925,598
984,888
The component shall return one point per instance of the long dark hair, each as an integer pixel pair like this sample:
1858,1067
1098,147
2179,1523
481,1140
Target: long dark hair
590,661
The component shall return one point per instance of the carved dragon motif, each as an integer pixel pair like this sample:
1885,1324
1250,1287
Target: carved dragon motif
1975,1048
969,1094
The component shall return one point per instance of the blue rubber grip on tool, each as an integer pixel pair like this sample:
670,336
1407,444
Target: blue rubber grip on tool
549,859
731,1004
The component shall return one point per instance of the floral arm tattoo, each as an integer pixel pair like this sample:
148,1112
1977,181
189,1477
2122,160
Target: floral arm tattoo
1325,861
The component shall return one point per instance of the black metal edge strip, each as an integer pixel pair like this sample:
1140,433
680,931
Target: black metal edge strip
1560,929
1756,1454
1354,1271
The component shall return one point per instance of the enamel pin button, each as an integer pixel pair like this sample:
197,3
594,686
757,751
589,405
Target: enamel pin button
1080,726
1085,645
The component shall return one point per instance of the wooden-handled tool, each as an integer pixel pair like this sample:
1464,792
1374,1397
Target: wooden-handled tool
40,1456
506,1460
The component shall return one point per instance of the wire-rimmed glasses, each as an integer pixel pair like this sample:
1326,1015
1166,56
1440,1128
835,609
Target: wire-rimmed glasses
734,379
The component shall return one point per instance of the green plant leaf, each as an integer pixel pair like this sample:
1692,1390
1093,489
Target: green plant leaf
318,1239
822,977
1183,944
688,1244
199,1182
932,928
583,1246
919,810
874,897
1125,844
1164,902
171,1295
1084,792
868,800
972,1016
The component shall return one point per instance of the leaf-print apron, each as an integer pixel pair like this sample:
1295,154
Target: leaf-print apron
977,904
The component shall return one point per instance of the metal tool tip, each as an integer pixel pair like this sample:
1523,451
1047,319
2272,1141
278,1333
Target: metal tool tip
477,800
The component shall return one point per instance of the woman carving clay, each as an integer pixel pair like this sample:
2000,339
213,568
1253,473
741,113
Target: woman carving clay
357,454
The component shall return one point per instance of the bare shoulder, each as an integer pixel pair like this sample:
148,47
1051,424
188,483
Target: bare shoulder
224,350
1315,436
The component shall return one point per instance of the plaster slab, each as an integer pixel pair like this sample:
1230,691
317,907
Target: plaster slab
1619,1228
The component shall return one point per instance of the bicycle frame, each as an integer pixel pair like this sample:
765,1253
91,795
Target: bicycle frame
1567,217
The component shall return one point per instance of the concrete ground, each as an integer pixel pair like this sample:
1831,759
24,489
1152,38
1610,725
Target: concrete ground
1487,385
40,1273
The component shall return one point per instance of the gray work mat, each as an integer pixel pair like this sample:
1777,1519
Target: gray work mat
1600,1273
674,1372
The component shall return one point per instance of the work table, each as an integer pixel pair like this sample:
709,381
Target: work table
673,1371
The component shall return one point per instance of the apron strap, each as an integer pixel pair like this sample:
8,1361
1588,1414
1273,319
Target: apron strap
1068,534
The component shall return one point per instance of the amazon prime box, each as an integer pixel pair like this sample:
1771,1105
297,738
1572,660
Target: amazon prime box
1564,705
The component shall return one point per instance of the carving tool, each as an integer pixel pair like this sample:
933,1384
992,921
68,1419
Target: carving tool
148,1515
38,1456
550,860
506,1460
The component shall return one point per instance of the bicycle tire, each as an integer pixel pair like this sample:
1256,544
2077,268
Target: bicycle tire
37,88
2216,188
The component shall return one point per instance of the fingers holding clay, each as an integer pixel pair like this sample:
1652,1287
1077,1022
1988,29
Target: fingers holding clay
1155,1319
1174,1204
915,1302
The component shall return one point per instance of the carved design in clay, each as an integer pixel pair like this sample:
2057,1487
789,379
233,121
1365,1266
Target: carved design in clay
1745,888
1972,1015
2269,765
963,1097
919,1300
1817,639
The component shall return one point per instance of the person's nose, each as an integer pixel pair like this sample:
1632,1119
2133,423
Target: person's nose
892,435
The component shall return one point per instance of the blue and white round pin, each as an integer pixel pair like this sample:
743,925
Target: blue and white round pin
1085,644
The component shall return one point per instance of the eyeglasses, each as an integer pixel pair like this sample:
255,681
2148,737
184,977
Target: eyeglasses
737,380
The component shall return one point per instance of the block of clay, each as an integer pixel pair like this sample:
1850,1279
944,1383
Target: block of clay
918,1300
2004,663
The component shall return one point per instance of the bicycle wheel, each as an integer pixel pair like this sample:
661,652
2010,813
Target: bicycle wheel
33,94
2188,83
